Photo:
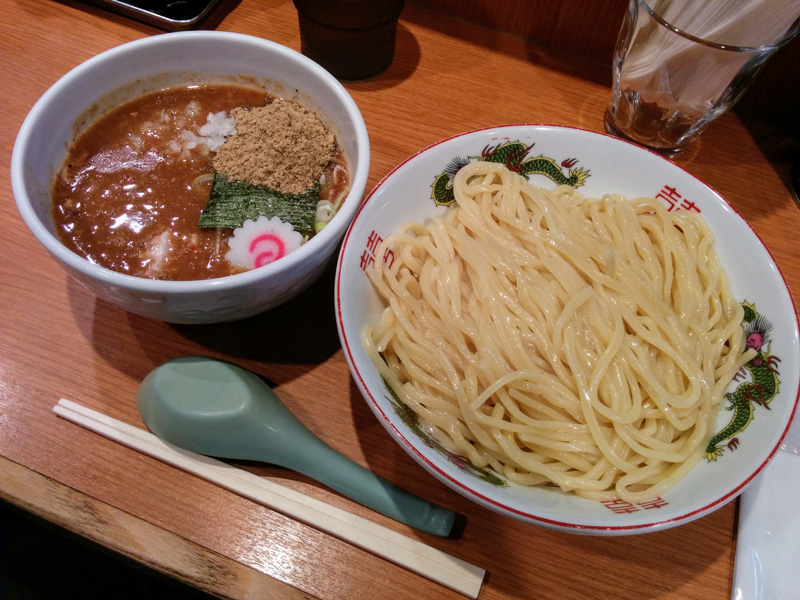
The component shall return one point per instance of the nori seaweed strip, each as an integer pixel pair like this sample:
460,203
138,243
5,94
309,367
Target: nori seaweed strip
233,202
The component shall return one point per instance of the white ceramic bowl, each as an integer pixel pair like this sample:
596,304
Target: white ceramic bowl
132,69
613,166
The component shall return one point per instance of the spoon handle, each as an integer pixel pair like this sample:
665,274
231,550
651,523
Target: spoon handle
365,487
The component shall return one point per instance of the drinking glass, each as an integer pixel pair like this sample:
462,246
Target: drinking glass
679,65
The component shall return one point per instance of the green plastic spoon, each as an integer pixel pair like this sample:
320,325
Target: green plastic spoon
215,408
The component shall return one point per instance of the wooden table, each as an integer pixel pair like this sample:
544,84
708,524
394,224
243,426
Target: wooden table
59,341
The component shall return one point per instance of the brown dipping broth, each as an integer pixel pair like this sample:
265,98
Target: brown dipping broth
131,192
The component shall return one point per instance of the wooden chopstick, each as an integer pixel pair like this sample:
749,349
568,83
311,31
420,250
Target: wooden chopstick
399,549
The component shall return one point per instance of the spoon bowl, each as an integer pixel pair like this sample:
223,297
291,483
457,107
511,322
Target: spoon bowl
217,409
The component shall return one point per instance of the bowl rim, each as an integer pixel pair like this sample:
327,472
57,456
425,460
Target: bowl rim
471,492
50,240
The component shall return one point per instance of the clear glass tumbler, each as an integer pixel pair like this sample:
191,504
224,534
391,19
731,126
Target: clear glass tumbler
679,65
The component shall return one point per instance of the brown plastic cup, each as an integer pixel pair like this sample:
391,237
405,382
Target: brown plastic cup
353,39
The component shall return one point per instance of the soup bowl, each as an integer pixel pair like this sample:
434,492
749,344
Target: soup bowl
595,164
123,73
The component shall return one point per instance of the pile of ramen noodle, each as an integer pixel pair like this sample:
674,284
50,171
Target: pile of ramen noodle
557,339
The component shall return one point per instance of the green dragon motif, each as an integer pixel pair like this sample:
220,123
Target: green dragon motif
515,156
410,418
761,389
